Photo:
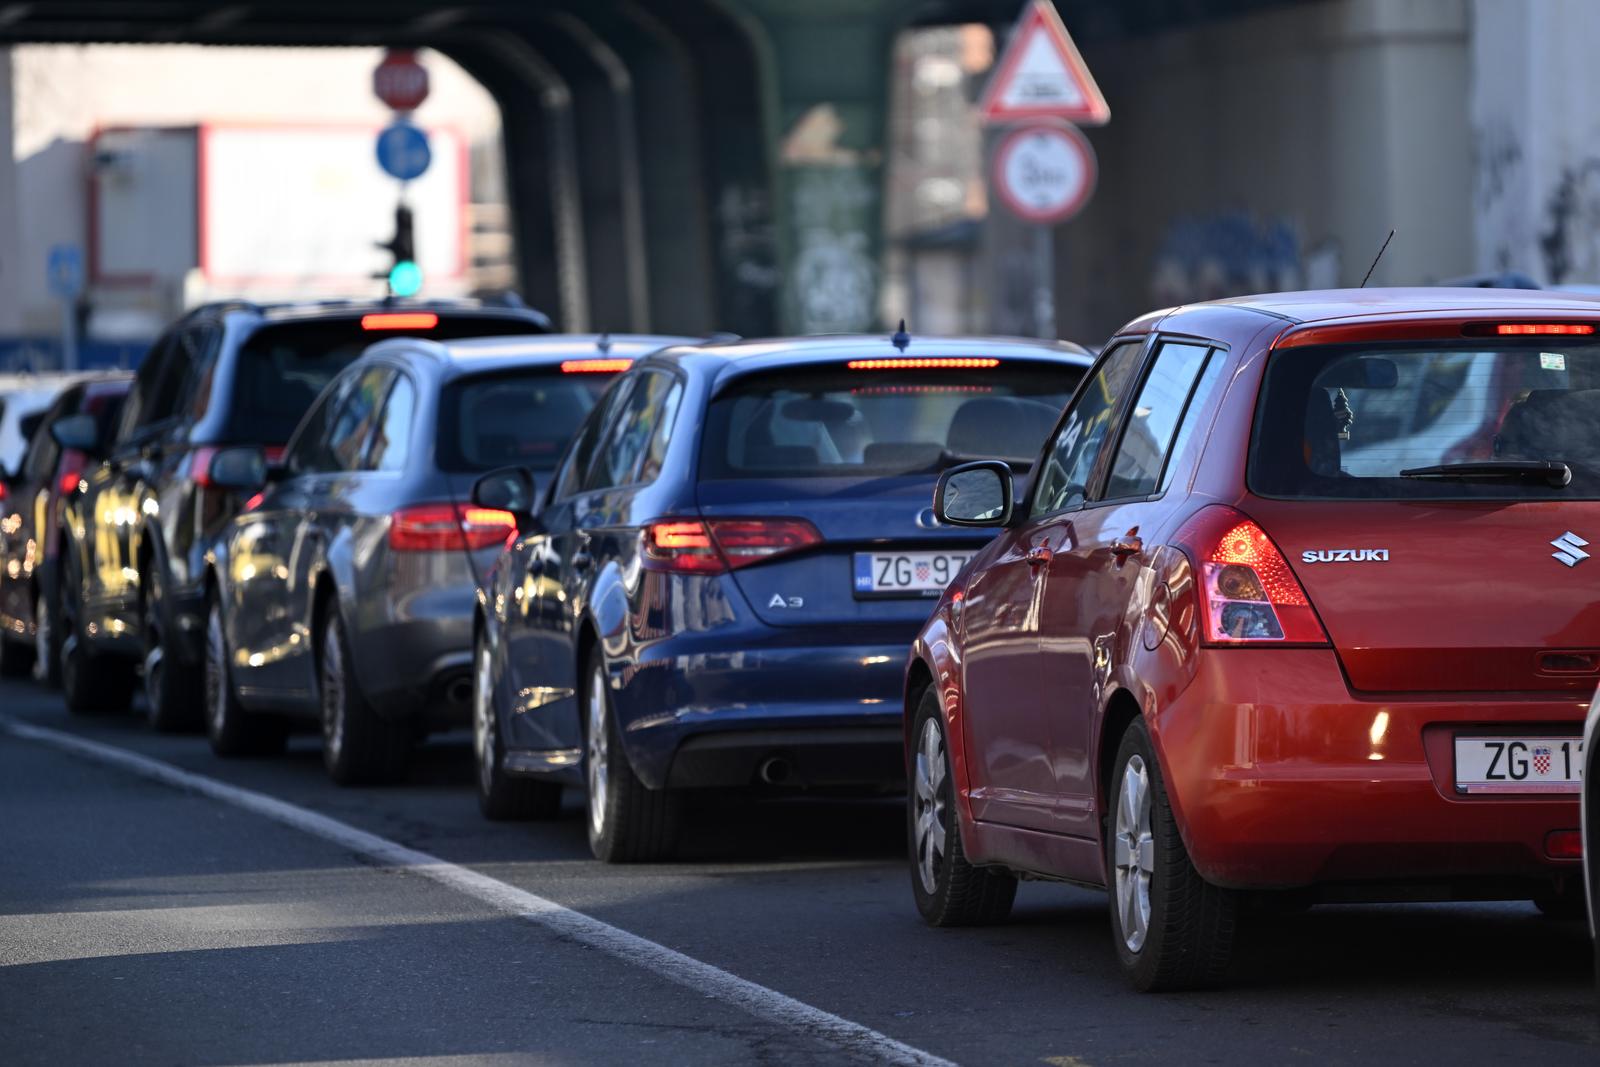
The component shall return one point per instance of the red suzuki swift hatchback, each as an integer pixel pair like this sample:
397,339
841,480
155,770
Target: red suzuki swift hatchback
1298,599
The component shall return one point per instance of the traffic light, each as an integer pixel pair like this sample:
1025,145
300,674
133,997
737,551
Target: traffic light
405,277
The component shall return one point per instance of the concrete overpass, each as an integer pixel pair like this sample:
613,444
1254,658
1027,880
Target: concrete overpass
673,164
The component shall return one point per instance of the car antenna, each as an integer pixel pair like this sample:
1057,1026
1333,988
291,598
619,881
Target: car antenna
1375,259
603,342
901,338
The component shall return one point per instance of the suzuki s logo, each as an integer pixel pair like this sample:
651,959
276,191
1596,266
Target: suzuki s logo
1346,555
1569,549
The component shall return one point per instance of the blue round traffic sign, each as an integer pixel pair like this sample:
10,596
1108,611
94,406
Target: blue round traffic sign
403,151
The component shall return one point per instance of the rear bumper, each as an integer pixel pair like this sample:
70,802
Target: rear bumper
1318,785
700,713
419,668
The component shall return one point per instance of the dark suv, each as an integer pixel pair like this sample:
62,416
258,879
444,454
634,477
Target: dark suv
139,523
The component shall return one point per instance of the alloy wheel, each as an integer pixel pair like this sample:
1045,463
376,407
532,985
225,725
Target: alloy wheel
43,636
597,746
483,730
1135,854
930,810
332,693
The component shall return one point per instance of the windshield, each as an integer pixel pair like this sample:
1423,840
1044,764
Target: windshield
1436,422
842,423
521,418
282,368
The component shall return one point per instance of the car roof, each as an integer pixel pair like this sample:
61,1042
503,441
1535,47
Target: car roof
1323,304
477,354
339,310
731,359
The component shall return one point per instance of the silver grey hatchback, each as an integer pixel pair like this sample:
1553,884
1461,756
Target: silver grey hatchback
344,592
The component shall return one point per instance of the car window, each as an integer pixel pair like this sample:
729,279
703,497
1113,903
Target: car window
838,422
178,375
392,442
523,417
1152,423
307,452
201,346
138,408
356,416
43,451
621,459
663,419
576,464
1399,421
1063,479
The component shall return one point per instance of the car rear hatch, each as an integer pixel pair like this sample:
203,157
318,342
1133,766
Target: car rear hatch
855,454
1414,490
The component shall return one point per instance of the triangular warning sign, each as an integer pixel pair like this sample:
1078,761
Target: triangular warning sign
1042,75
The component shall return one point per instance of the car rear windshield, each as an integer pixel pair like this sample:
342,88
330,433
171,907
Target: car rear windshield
282,368
518,418
836,422
1463,421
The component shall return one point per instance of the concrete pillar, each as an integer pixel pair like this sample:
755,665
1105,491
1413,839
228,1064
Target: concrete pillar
828,73
13,263
1536,128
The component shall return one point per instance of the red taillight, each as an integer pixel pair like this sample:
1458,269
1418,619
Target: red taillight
448,527
3,490
1520,329
925,363
399,320
1249,594
690,546
67,485
595,366
1564,845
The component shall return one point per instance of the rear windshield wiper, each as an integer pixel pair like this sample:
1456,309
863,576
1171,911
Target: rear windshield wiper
1552,472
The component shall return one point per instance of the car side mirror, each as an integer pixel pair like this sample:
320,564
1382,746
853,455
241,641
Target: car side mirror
510,489
242,469
79,432
975,494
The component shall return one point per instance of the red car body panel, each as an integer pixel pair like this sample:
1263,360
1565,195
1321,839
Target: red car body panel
1285,766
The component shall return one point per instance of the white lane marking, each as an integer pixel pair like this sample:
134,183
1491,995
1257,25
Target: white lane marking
668,963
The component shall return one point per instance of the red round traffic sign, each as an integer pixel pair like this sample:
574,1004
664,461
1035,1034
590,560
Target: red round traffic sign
1044,172
400,81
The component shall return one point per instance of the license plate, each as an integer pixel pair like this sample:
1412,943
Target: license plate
906,573
1519,764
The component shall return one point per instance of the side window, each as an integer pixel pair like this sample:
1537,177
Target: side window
178,375
146,383
1070,457
666,415
1191,416
1153,422
307,452
354,421
576,464
622,458
203,345
43,450
392,442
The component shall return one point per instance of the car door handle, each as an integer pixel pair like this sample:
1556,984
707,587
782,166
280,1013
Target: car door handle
1128,545
1039,555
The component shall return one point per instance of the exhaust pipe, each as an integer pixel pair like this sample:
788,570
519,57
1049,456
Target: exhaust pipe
459,691
774,770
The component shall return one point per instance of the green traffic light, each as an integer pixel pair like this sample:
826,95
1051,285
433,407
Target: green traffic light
405,278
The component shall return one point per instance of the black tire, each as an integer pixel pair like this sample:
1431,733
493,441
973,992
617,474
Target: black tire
628,821
231,730
174,698
949,891
90,683
359,747
1189,924
501,796
16,657
47,637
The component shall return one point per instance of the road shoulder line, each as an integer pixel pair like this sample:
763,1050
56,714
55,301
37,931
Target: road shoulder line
704,978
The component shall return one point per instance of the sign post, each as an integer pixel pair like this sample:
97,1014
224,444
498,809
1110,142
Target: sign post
403,153
64,272
1043,171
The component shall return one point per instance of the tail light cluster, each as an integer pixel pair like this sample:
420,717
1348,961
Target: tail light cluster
449,528
696,546
1248,593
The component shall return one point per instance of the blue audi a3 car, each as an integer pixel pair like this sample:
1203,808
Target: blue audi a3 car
727,568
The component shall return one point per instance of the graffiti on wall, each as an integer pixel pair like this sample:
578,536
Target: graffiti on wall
1558,241
1232,253
834,206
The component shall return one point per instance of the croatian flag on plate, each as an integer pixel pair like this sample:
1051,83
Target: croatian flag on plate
1541,760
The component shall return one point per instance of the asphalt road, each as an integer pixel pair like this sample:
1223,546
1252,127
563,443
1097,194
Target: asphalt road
141,922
